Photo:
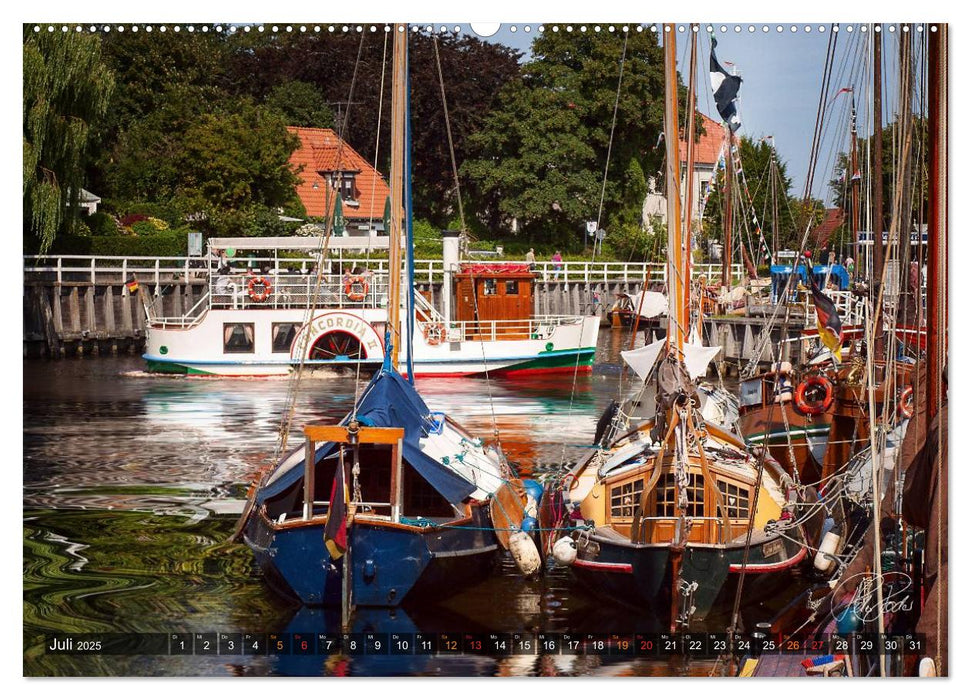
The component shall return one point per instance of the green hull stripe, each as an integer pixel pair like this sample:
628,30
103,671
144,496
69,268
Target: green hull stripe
782,436
172,368
559,361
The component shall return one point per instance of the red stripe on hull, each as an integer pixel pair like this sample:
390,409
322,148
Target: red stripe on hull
604,566
582,369
769,568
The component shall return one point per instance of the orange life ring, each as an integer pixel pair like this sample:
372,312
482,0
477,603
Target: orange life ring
906,403
259,289
362,282
434,333
813,407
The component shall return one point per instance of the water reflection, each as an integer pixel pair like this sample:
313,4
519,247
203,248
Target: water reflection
132,482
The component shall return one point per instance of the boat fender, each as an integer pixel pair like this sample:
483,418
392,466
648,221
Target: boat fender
531,510
565,551
604,424
814,406
524,553
528,524
927,668
848,621
828,524
533,488
826,556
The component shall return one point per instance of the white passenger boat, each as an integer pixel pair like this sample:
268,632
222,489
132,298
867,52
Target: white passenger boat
260,316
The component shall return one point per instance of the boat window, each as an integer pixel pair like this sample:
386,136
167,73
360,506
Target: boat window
625,497
238,337
666,502
736,499
512,287
488,288
283,334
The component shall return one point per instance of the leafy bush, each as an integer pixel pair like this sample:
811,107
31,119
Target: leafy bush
129,220
165,212
144,228
164,244
102,224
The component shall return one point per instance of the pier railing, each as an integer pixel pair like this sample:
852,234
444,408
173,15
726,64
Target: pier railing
106,269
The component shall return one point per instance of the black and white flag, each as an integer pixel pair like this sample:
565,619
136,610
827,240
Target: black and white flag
725,87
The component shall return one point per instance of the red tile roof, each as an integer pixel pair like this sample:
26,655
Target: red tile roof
708,146
318,154
832,220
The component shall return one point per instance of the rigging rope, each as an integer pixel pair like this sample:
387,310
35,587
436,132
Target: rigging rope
374,184
448,131
293,387
610,142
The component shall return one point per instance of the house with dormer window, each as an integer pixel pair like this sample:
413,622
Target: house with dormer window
708,150
327,166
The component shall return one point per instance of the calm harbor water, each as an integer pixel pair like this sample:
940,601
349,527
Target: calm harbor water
132,484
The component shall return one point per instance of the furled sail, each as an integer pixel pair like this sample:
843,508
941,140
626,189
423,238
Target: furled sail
643,359
698,357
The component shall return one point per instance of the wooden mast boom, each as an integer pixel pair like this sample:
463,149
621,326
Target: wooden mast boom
676,280
398,97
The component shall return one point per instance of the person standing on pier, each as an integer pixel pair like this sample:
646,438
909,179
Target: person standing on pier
531,260
557,264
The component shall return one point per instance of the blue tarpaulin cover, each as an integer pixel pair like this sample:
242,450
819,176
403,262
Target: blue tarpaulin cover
390,402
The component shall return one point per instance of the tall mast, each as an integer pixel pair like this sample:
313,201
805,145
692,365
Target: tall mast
676,281
727,211
937,312
906,308
774,175
398,97
689,137
854,185
876,182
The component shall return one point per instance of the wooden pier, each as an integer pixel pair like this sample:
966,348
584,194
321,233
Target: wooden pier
82,308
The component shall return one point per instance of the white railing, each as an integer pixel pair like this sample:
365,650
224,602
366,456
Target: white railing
851,309
102,269
539,328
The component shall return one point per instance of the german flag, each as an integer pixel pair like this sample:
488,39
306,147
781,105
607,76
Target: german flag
132,285
335,531
828,321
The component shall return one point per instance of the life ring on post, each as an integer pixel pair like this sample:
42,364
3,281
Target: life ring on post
259,289
906,403
356,288
434,333
813,404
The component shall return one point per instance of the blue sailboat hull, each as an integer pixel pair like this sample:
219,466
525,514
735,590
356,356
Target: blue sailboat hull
389,562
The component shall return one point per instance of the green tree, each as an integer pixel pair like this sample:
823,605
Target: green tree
768,183
542,153
839,185
301,104
152,68
224,163
66,92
